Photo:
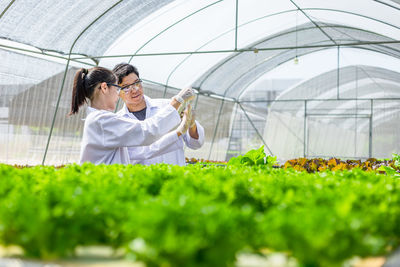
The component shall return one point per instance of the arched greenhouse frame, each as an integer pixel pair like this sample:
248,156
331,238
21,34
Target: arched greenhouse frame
303,78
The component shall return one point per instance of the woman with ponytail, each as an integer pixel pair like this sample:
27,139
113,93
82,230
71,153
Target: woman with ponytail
106,135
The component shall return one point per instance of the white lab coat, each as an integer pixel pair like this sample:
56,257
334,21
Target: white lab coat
168,149
106,135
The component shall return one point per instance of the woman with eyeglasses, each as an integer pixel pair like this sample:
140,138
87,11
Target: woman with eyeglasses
106,135
140,107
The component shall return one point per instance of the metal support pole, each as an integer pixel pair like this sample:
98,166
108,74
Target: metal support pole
216,128
338,72
252,124
371,128
231,132
305,129
236,25
7,7
165,90
356,117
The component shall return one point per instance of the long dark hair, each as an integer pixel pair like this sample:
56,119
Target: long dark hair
85,81
122,70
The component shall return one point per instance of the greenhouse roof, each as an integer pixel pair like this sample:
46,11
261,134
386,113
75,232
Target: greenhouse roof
219,47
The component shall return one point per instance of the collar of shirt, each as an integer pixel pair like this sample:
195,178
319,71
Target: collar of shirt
90,110
149,105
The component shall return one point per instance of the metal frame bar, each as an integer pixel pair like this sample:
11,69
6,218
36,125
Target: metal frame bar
311,99
236,24
44,52
361,43
337,156
338,73
216,128
65,75
7,7
345,115
386,4
305,130
355,119
232,128
7,47
371,129
313,22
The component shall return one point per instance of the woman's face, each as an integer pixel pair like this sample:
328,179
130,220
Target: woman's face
134,95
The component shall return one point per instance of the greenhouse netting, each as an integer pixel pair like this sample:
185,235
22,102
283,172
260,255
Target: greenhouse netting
304,78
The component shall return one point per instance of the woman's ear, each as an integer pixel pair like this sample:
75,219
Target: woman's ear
104,87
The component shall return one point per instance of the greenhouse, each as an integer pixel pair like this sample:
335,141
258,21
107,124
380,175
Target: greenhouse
303,79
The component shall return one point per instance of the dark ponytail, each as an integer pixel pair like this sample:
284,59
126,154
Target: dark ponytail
85,82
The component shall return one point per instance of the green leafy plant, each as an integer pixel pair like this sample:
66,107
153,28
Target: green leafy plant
255,157
390,170
169,215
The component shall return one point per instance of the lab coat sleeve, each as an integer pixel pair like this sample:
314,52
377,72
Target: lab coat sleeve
194,143
165,144
121,131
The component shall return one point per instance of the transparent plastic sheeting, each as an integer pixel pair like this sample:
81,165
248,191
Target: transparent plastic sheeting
292,134
27,105
136,27
246,125
354,82
261,24
59,23
297,124
337,127
29,92
245,68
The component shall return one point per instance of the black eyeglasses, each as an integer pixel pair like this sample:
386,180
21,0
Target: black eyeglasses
116,85
136,85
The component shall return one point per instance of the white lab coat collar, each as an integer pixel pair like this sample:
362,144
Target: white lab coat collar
89,110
